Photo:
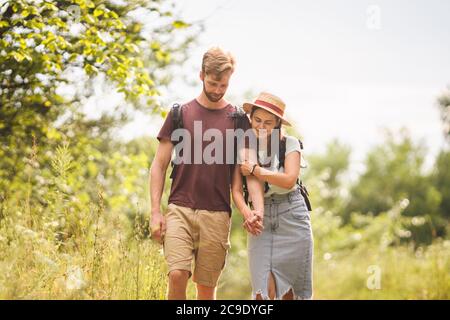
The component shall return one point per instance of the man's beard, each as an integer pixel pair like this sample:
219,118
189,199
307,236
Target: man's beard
212,97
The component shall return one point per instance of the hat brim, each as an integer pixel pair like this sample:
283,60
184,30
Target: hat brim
247,106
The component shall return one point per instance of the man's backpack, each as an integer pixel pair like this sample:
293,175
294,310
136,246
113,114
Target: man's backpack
239,117
177,123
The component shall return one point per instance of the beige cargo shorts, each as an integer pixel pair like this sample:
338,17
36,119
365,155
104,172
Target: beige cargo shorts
197,236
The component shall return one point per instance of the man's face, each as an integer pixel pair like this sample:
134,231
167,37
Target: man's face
215,87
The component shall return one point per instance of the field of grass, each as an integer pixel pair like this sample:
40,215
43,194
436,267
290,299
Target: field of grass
60,244
110,262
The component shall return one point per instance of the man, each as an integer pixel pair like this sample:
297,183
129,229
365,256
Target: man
197,224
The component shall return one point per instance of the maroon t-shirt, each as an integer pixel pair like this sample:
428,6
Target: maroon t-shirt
199,185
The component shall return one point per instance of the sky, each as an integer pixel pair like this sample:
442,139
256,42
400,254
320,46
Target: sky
346,69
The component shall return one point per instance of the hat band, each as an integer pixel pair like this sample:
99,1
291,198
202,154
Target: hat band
270,106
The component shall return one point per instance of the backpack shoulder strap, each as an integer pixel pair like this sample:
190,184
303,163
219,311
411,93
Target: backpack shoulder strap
238,116
177,123
177,117
282,152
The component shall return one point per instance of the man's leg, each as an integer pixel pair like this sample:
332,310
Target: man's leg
206,293
214,231
178,249
178,280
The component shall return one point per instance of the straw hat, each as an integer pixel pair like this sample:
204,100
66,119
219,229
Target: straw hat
270,103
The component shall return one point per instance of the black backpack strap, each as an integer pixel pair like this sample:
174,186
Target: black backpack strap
282,152
245,189
177,118
305,194
177,123
281,157
238,118
302,187
237,115
266,186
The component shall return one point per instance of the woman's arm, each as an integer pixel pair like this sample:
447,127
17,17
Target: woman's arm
286,179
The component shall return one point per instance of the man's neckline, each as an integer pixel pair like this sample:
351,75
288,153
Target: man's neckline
210,109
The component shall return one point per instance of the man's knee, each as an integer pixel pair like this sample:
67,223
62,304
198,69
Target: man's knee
206,292
205,288
178,276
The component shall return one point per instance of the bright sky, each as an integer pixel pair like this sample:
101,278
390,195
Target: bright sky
346,69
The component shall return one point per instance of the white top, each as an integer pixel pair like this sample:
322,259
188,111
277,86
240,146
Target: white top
292,145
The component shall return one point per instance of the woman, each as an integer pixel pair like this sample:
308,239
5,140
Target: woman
280,255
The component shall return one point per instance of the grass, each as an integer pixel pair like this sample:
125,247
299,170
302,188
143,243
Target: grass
57,244
404,272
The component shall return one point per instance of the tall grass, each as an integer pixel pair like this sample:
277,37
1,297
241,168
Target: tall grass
62,248
345,261
65,245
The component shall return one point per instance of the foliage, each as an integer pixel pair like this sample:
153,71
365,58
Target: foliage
53,52
444,108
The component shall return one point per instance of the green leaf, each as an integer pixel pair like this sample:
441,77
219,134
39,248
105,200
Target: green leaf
23,44
89,19
17,56
178,24
90,69
50,6
100,59
132,47
27,57
114,15
25,13
34,11
98,12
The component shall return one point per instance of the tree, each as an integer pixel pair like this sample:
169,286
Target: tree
394,174
324,176
42,44
441,179
394,170
444,108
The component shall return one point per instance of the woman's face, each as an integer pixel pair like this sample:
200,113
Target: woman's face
263,122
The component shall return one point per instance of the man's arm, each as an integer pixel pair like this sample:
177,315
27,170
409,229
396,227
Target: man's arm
255,187
156,180
252,225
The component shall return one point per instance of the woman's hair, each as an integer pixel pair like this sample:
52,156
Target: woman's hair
278,126
216,61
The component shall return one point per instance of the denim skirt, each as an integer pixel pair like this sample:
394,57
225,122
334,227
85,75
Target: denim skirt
285,248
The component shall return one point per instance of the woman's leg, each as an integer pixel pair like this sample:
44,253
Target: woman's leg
271,288
289,295
293,253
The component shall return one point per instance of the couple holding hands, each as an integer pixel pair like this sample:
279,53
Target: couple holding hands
263,181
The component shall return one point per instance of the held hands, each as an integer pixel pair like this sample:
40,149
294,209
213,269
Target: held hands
253,222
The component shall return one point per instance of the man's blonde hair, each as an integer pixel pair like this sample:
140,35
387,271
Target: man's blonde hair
216,61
